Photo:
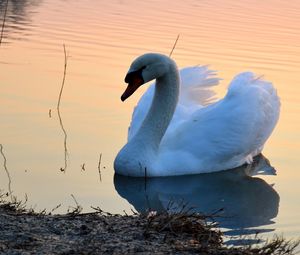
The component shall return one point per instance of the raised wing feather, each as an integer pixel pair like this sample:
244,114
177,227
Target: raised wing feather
195,92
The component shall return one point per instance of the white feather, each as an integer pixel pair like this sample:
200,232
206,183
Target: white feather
204,135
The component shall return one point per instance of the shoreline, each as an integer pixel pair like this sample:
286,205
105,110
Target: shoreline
27,232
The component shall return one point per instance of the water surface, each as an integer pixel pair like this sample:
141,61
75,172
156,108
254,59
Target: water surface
101,39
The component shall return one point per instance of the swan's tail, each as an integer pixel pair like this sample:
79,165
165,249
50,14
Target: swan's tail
268,101
197,85
247,80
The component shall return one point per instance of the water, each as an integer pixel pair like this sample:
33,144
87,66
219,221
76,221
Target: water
101,40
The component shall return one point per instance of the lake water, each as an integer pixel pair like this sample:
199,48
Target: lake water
101,40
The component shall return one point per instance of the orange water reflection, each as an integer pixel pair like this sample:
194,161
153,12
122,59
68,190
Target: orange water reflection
101,39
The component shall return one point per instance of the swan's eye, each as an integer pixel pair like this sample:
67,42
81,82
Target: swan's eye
135,76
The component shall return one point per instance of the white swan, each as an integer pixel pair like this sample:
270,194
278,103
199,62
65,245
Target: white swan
180,135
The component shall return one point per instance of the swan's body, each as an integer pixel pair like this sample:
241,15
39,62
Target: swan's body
179,135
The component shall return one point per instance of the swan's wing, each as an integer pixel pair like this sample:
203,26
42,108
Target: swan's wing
227,133
195,91
197,85
263,106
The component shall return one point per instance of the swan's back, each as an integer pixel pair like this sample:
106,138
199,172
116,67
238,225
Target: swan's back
225,134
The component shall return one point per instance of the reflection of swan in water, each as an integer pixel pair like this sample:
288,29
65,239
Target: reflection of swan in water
246,201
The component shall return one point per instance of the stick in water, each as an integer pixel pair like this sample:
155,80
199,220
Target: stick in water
174,45
99,167
7,172
3,23
63,169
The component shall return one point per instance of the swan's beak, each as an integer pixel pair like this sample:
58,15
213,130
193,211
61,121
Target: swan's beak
134,80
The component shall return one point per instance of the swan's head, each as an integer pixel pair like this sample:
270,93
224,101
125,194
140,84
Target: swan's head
143,69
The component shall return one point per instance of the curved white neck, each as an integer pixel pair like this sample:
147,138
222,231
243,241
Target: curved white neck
161,111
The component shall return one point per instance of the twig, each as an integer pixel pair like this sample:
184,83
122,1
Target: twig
99,167
7,172
134,212
76,210
55,208
59,115
75,200
174,45
3,23
99,210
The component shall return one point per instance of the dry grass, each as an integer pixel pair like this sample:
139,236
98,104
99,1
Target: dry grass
192,234
105,233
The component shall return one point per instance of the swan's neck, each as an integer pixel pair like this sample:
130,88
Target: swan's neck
140,152
161,111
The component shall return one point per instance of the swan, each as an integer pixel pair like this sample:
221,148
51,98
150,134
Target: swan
177,129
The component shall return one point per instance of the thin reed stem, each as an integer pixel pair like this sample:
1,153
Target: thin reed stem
3,22
7,172
174,45
58,112
99,167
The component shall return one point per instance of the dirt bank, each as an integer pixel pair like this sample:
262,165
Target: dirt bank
26,232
